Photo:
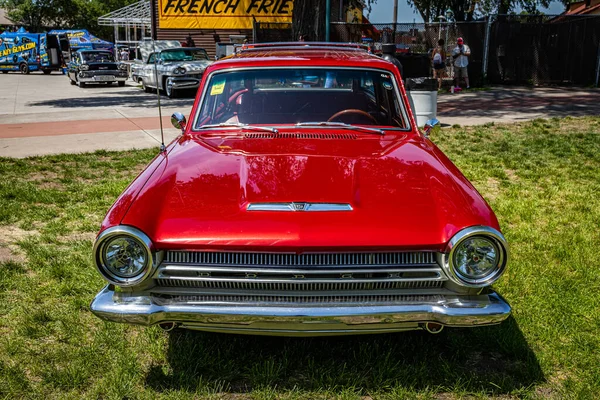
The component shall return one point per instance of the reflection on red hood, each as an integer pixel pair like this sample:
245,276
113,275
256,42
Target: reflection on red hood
405,195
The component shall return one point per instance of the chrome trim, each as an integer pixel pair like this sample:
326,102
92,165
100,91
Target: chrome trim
109,233
276,260
299,206
445,259
312,320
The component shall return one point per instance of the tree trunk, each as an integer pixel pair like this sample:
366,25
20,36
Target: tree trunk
308,20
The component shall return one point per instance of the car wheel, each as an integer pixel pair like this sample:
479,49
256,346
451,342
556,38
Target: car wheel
80,84
46,71
5,72
71,81
171,93
24,68
121,83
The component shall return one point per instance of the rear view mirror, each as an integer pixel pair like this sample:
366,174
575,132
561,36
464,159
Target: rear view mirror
178,121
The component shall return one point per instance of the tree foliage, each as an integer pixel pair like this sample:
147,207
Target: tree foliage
39,15
467,10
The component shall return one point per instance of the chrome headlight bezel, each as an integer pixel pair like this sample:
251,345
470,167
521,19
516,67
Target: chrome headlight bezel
122,66
84,67
487,233
99,255
179,71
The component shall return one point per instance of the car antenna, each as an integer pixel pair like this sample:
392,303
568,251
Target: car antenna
163,148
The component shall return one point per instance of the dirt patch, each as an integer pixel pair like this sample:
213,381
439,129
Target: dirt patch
9,236
511,174
83,236
492,189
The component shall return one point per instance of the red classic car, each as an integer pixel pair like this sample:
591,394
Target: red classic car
301,199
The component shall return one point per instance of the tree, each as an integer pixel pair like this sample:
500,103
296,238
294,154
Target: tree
37,15
467,10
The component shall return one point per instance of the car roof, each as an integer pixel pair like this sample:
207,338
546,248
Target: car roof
302,54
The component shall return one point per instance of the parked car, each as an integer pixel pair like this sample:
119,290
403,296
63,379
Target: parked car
95,66
301,199
171,70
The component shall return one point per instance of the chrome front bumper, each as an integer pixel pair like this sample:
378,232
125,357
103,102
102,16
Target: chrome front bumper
452,311
185,82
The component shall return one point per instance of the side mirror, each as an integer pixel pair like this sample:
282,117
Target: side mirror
429,125
178,121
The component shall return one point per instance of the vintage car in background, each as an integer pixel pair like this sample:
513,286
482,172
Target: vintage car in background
301,199
95,66
171,70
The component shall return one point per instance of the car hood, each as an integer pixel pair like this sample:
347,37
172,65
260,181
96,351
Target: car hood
403,192
190,66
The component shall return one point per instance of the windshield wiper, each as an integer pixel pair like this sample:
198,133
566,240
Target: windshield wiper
241,126
343,125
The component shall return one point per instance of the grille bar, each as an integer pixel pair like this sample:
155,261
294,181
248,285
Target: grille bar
304,260
298,300
300,286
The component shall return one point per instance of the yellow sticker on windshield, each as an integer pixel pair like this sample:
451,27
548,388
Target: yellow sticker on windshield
217,88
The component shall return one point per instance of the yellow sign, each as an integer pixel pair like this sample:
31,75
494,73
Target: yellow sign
221,14
217,88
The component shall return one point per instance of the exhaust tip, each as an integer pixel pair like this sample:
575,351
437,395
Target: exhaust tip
434,328
167,326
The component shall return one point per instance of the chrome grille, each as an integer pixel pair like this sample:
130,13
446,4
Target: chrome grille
299,286
290,260
314,275
296,300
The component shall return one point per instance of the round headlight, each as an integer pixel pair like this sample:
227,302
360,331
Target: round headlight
84,67
476,256
179,71
124,255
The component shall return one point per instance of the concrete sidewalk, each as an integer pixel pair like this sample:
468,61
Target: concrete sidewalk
66,119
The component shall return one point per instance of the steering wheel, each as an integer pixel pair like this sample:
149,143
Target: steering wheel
352,111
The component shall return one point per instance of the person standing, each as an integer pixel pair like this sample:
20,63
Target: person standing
438,58
461,54
189,42
124,55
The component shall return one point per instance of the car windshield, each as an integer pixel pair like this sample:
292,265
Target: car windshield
97,57
302,96
183,55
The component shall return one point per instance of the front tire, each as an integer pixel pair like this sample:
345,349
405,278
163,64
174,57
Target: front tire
171,93
5,72
121,83
24,68
46,71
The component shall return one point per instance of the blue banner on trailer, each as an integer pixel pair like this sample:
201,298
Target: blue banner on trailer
82,39
25,52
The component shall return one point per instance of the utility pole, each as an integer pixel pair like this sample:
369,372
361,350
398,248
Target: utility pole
327,19
395,20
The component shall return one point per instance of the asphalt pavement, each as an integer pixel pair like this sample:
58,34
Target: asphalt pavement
44,114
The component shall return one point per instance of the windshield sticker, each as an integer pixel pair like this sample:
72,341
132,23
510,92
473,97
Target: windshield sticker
217,88
387,85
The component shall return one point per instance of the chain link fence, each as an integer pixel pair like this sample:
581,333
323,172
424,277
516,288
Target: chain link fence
505,49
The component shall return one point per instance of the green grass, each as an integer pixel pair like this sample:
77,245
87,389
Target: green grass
542,178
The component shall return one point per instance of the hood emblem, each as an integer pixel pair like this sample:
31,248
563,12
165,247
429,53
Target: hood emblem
299,207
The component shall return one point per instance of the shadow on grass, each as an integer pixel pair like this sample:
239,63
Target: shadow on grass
493,359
